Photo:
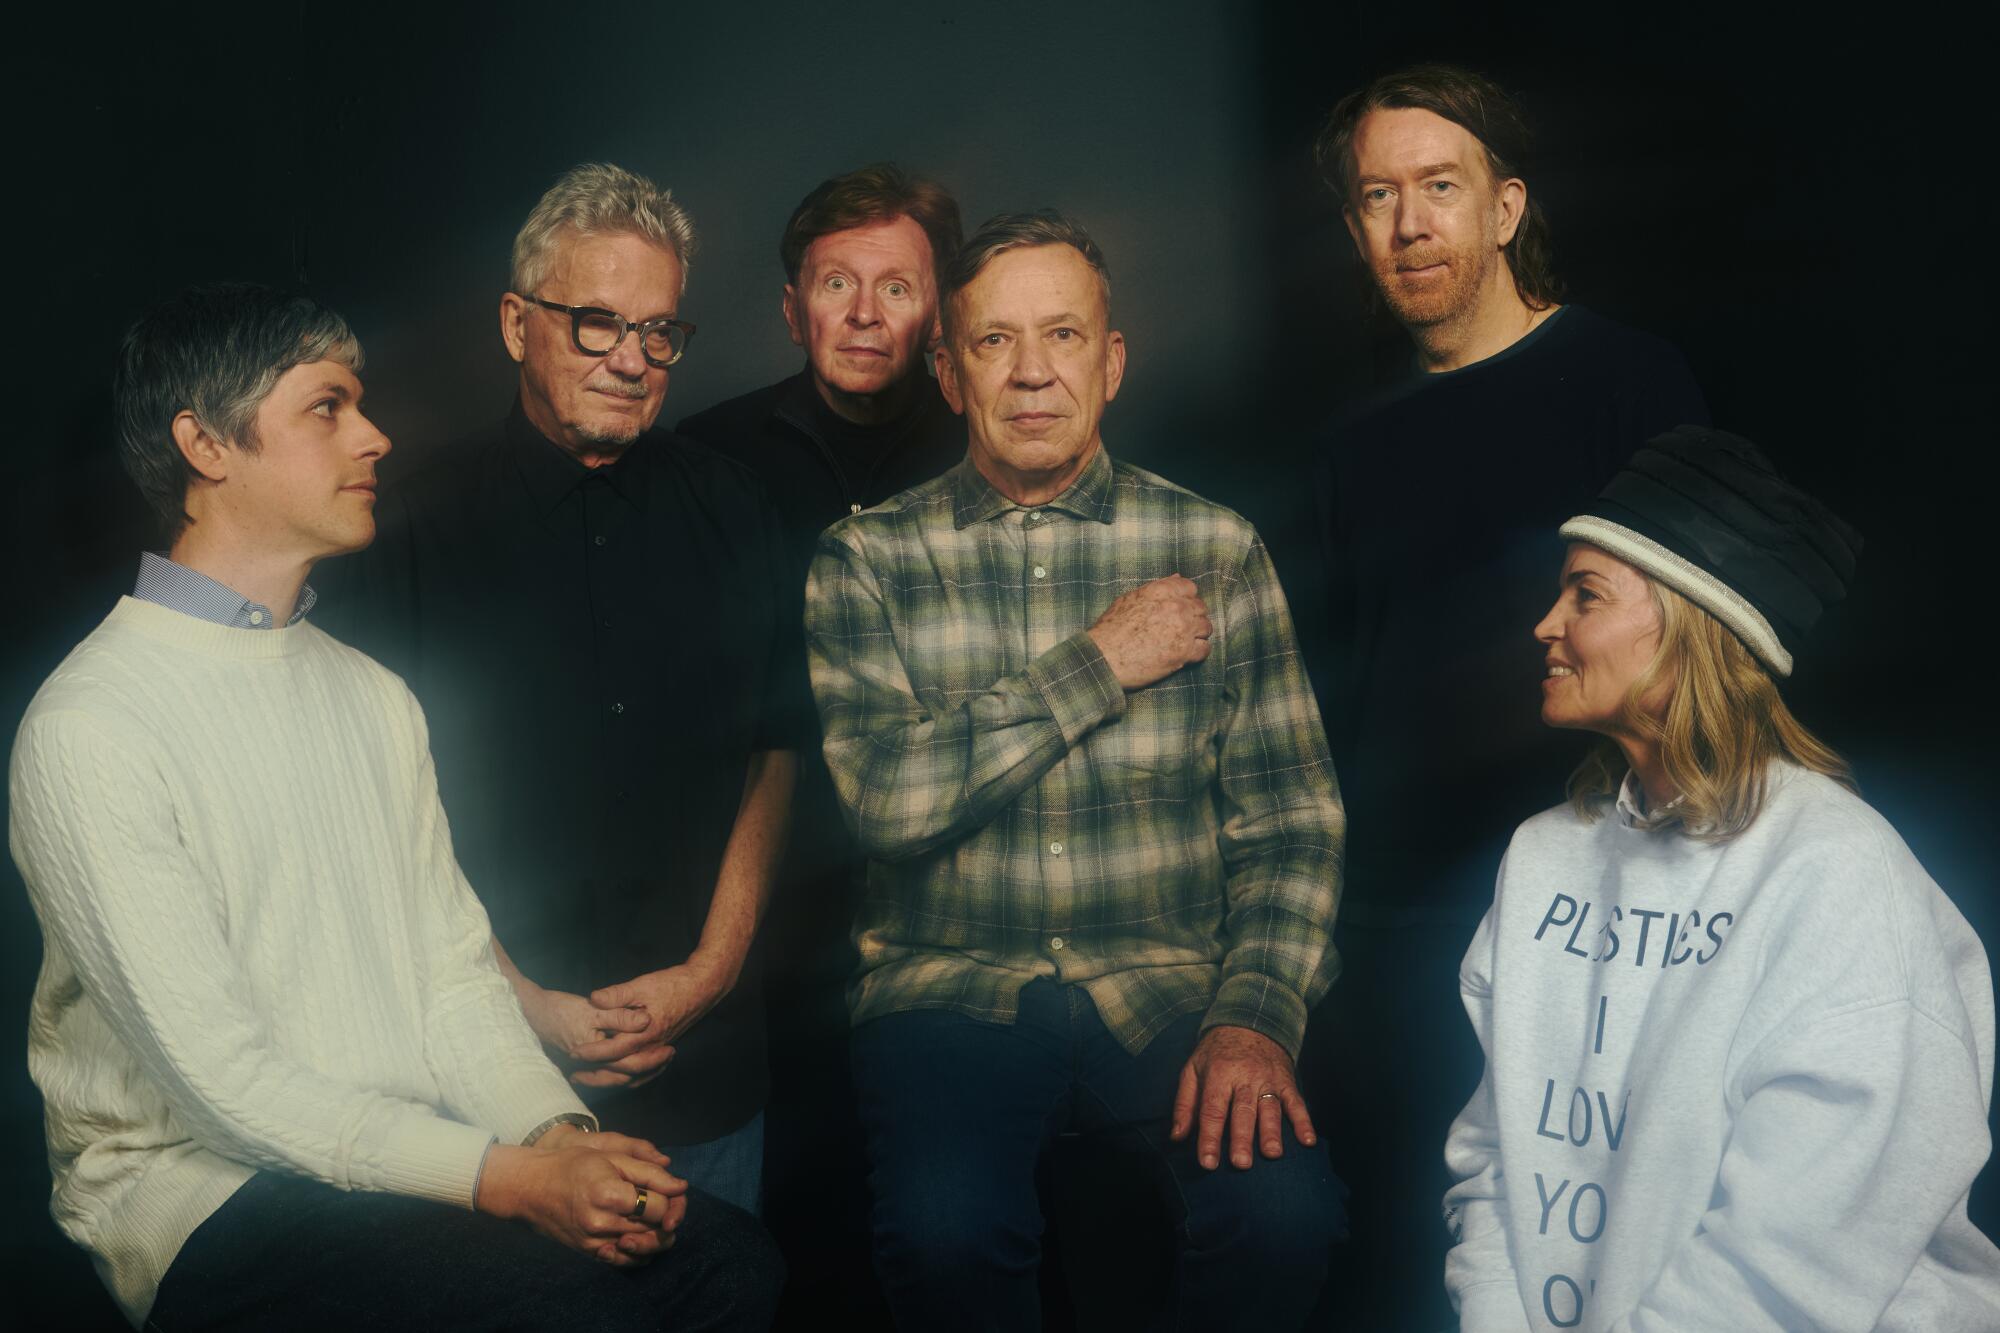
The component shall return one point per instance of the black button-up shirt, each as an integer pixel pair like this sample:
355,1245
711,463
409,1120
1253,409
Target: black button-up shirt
598,652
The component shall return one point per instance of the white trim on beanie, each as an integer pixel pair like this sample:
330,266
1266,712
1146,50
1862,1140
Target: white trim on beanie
1689,580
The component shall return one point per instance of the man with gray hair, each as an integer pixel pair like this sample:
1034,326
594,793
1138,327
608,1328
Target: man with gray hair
1066,716
284,1083
591,611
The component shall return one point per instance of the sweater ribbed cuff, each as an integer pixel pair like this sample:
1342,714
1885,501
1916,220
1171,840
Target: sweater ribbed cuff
429,1157
518,1102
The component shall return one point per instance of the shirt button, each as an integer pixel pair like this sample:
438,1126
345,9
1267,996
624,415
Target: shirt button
598,539
1055,849
256,617
618,708
1040,572
1056,943
607,623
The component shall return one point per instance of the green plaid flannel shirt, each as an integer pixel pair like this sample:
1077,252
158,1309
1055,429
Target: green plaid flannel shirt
1171,850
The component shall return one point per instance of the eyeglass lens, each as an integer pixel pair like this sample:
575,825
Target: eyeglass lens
601,333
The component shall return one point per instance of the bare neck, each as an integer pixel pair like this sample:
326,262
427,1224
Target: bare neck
1495,322
867,409
1030,489
1646,761
268,577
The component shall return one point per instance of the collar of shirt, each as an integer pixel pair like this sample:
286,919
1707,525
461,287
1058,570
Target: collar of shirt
1091,496
551,474
173,585
1632,812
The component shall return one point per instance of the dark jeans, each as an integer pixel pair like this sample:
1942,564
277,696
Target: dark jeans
956,1113
293,1254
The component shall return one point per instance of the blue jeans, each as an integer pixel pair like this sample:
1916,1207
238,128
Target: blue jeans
731,1167
956,1113
289,1253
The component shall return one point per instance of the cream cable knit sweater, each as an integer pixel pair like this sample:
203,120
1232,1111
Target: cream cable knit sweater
259,953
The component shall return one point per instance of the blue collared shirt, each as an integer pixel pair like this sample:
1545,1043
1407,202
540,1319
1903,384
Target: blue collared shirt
178,588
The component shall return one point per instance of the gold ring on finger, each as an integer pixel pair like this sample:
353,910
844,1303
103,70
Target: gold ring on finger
1267,1096
638,1213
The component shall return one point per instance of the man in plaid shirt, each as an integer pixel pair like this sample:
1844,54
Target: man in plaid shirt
1067,719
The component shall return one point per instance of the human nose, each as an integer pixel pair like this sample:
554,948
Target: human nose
1413,218
1031,364
864,310
1550,628
627,358
377,444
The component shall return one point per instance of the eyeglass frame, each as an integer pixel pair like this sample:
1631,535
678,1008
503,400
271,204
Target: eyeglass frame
625,326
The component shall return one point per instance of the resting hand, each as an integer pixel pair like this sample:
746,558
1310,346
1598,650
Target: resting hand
669,1001
586,1200
1224,1085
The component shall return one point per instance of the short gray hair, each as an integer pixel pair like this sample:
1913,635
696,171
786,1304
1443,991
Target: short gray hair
598,199
216,351
1018,231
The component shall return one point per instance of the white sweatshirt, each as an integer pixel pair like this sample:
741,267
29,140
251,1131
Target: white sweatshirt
259,953
1732,1087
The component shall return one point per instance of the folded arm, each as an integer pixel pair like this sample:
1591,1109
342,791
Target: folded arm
914,773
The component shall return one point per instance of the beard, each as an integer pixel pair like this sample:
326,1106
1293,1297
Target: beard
1437,300
612,436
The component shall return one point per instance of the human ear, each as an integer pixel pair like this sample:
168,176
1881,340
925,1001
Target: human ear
208,456
792,316
1512,200
513,327
947,378
1114,364
1354,232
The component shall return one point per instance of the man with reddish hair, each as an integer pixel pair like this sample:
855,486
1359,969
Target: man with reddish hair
1514,410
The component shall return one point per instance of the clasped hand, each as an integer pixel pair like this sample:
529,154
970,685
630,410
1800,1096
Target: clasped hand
606,1195
621,1036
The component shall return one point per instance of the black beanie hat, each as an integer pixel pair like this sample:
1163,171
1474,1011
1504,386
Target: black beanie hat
1705,513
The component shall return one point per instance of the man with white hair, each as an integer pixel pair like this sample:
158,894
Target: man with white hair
590,611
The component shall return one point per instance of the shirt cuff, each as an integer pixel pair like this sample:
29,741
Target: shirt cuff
1262,1004
1078,685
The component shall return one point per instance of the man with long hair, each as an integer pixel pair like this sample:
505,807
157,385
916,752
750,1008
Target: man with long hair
1513,409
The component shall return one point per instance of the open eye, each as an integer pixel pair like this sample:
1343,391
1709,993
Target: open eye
1442,187
1063,335
836,284
325,407
897,289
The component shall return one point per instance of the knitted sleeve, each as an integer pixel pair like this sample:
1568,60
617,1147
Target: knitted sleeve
94,832
477,1043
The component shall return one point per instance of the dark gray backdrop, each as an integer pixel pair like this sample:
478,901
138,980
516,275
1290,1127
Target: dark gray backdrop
1789,204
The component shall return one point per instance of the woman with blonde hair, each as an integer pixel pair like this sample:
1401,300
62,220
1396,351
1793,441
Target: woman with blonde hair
1739,1047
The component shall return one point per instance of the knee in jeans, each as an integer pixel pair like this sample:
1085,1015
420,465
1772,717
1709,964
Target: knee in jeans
1283,1223
951,1240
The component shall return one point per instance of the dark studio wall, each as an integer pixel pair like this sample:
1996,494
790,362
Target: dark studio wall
1786,200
